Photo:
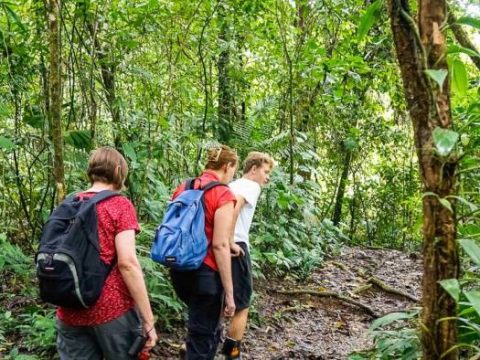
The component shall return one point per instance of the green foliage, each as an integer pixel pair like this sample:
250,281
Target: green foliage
289,236
166,306
369,18
31,322
444,140
13,262
459,77
468,20
394,338
438,75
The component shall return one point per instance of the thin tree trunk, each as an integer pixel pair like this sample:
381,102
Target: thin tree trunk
429,108
225,103
462,37
337,211
108,70
55,92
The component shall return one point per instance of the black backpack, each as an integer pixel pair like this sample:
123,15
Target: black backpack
69,269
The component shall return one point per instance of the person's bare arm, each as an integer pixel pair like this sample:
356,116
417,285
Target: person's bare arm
221,249
132,275
236,250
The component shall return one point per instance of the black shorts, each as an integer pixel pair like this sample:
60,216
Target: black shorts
242,279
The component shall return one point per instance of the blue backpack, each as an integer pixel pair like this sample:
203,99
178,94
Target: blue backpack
180,242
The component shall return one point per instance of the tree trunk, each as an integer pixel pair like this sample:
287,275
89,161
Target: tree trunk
225,103
337,211
429,107
108,70
55,95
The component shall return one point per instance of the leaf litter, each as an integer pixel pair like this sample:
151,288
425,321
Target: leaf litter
305,326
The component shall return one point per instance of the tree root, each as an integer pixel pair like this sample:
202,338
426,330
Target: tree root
376,281
362,288
330,294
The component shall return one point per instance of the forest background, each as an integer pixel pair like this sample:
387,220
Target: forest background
314,83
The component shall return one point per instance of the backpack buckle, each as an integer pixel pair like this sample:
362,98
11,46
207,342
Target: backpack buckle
48,263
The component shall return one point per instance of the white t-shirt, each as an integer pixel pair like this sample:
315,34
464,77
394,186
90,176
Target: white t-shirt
250,191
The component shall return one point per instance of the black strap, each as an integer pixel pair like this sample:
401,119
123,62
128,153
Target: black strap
189,184
211,185
100,196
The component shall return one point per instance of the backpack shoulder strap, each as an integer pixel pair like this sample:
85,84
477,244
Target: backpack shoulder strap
211,185
103,195
189,184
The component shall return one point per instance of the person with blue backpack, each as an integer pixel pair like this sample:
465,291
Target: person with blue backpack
193,240
87,266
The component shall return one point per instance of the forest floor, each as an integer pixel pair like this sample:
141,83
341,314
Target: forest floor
306,326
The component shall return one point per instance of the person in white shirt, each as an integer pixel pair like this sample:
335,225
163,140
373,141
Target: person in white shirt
256,173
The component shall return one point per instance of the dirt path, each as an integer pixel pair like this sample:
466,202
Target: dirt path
311,327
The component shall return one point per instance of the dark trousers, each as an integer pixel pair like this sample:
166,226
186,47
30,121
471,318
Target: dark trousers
109,341
202,291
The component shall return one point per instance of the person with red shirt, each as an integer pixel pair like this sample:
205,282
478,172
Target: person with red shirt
204,290
107,329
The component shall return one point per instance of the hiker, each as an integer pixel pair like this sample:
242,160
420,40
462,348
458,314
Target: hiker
208,290
122,313
256,173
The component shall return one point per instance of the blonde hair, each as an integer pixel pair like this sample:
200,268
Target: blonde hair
219,156
107,165
255,158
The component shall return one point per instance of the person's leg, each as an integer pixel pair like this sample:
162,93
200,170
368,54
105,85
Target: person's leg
242,289
204,316
76,342
183,282
238,324
117,336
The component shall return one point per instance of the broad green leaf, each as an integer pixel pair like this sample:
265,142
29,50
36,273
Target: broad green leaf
390,318
445,203
474,298
469,229
6,143
472,249
13,15
80,139
459,77
471,205
452,287
438,75
129,151
369,18
455,49
468,20
444,140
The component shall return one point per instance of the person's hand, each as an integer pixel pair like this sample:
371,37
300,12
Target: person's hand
236,250
150,332
229,306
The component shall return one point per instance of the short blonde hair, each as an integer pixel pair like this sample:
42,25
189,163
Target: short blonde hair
219,156
255,158
108,166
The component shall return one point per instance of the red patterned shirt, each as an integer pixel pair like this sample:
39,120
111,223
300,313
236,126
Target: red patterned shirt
114,215
213,199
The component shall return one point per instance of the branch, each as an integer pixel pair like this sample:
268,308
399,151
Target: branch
376,281
330,294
